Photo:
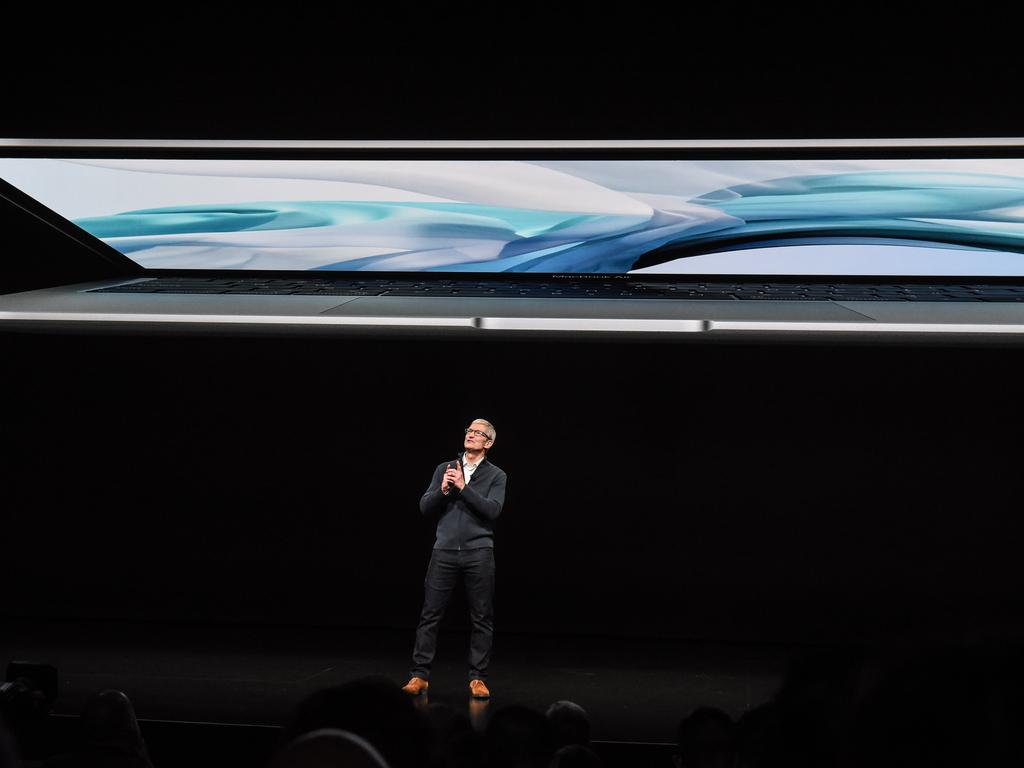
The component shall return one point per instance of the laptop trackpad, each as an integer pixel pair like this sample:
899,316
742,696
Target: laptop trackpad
655,309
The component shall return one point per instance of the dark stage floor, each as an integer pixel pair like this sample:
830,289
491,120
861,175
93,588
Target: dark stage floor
634,690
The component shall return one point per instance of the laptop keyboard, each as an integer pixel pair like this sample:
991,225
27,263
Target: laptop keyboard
612,289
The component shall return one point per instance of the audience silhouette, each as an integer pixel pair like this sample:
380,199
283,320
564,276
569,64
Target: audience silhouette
570,724
328,747
456,743
955,706
518,737
704,739
575,756
110,736
373,708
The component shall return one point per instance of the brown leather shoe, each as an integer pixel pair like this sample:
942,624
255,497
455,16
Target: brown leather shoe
416,686
479,690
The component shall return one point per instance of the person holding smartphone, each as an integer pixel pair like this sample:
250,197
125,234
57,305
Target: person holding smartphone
466,496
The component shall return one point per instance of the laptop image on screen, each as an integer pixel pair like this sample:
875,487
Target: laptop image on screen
556,238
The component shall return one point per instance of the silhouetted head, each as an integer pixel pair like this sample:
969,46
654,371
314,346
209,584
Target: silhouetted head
576,756
328,748
811,713
108,719
456,743
937,708
374,708
518,737
704,738
570,723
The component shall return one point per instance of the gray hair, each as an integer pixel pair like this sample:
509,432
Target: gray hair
490,428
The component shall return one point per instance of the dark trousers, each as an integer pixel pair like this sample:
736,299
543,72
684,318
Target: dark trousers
477,569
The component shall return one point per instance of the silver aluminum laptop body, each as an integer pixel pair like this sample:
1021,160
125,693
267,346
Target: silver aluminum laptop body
772,213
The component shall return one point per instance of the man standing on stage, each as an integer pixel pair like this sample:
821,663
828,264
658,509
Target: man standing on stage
465,545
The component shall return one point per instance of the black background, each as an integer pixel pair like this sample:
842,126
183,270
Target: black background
798,492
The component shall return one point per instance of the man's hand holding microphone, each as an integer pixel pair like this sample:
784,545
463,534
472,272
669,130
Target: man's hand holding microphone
453,477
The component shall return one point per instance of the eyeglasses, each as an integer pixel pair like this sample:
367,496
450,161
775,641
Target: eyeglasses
484,435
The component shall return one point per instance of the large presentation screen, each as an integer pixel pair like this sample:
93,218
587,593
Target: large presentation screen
927,217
